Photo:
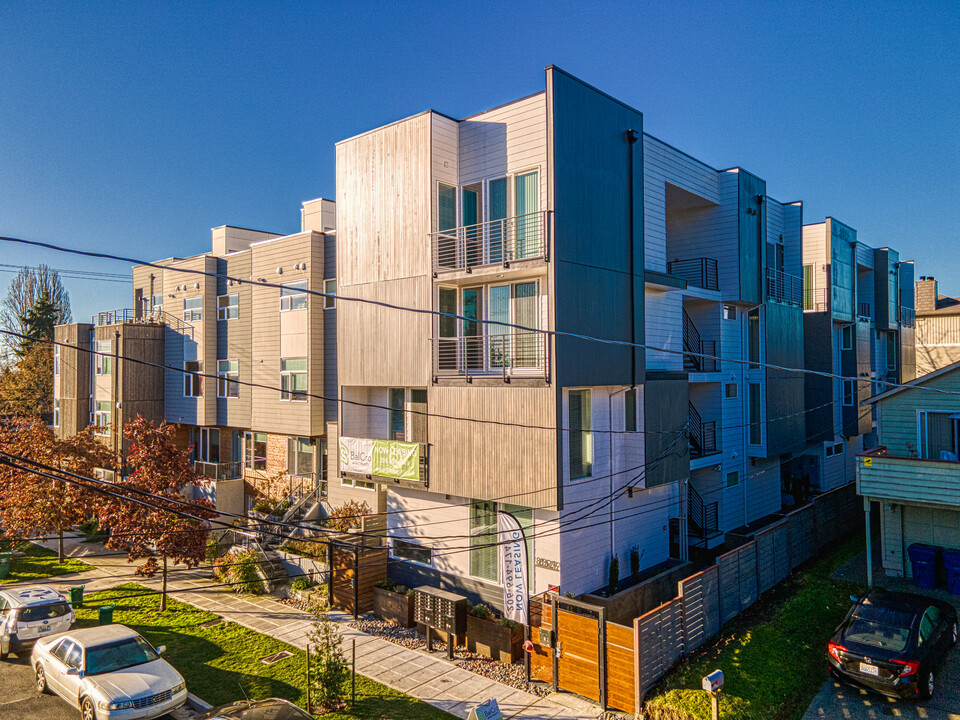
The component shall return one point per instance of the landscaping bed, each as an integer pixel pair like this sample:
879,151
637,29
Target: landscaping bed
33,563
773,655
221,661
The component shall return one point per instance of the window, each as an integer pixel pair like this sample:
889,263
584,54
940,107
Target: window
831,449
733,478
104,362
193,308
730,390
56,359
846,337
729,312
299,456
228,306
255,451
891,351
483,539
56,412
756,427
193,379
105,475
228,373
753,337
293,296
446,207
398,429
293,379
206,444
330,288
938,435
808,299
630,410
928,624
102,418
361,484
848,392
581,439
406,550
156,304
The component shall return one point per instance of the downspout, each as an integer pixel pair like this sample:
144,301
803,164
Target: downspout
116,392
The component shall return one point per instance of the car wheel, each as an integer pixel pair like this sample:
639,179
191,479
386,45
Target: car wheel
41,680
927,686
87,709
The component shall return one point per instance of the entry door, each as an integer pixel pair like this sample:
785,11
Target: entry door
472,329
471,208
527,196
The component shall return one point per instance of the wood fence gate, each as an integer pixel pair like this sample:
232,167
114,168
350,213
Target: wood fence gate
354,572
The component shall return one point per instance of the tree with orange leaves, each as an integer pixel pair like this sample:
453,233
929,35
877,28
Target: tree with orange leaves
33,505
150,517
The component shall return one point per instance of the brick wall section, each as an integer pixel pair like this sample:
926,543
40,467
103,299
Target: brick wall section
276,454
926,295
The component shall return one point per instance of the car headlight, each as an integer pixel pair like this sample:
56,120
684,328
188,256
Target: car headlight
116,705
179,688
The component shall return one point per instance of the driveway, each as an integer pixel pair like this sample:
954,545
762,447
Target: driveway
836,700
19,698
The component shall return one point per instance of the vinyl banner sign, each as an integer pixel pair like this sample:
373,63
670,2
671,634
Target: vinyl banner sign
386,458
513,567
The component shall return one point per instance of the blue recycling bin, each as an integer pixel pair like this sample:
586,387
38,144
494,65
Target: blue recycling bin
951,563
923,559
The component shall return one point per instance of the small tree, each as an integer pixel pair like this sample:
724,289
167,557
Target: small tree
329,669
26,389
33,505
348,516
613,579
163,524
24,292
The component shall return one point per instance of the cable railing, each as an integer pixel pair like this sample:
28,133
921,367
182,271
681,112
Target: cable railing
784,288
816,300
908,316
508,355
114,317
495,242
701,272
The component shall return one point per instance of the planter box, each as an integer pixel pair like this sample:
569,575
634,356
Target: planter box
490,638
393,607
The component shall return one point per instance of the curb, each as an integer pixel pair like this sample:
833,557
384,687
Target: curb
196,703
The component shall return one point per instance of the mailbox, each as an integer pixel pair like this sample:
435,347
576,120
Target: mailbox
713,682
440,610
545,637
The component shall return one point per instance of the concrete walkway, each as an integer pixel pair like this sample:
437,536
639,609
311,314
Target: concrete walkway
427,677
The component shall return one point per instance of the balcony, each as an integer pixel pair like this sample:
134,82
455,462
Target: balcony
816,300
784,288
516,354
496,243
863,312
697,350
389,462
219,471
908,317
703,435
908,479
701,272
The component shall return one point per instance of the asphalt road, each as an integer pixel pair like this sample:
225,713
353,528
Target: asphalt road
19,697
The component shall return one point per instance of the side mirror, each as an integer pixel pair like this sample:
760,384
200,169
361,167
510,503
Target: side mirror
161,649
854,598
73,671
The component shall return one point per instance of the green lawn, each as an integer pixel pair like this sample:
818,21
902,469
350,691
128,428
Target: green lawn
222,663
37,563
772,656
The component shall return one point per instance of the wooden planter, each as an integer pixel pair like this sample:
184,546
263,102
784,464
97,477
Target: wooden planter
490,638
393,607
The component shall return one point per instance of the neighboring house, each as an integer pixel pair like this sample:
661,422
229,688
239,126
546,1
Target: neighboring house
914,476
233,331
938,327
858,322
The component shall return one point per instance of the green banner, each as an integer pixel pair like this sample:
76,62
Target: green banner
395,459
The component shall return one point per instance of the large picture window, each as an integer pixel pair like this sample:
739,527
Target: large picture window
293,296
255,451
580,450
193,309
483,539
299,456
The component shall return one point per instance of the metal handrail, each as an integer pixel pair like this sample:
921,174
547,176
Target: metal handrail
295,508
219,470
816,300
908,316
495,242
783,287
703,435
701,272
697,349
510,354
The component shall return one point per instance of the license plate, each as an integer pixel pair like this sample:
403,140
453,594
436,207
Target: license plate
868,669
44,629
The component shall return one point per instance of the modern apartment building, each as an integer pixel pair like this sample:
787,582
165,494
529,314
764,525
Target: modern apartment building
858,322
557,216
247,370
938,327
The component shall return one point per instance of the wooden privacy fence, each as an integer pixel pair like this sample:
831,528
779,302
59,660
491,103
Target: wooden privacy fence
354,572
720,592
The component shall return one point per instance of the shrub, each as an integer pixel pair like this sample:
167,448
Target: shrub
387,584
213,549
281,508
613,576
635,561
508,623
481,611
331,669
264,505
347,516
302,583
239,571
306,548
402,590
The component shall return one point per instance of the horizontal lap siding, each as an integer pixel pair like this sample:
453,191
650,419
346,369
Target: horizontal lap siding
928,481
664,329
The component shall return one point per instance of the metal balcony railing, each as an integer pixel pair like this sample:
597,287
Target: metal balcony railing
703,517
816,300
114,317
703,435
508,355
908,317
784,288
696,348
863,312
220,471
496,242
701,272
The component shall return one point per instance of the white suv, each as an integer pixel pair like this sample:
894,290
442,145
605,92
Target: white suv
29,613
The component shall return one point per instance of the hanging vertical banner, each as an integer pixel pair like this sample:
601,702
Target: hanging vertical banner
513,567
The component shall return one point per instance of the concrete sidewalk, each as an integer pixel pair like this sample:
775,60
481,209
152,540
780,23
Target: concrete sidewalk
424,676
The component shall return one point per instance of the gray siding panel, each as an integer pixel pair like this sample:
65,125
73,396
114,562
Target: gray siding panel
785,389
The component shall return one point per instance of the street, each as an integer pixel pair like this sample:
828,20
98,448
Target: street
22,701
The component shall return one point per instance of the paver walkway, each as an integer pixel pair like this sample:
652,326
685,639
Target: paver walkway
421,675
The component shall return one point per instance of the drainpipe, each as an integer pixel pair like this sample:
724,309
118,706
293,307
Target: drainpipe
116,391
866,512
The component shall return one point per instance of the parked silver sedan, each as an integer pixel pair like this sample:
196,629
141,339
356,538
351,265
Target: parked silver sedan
108,672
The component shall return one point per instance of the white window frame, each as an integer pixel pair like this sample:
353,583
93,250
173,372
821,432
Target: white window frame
588,450
56,359
102,418
103,360
56,412
358,484
192,377
193,308
729,311
202,449
249,445
293,296
330,287
411,541
228,306
289,395
227,379
156,303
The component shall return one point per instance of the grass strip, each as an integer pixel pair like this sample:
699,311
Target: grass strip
37,563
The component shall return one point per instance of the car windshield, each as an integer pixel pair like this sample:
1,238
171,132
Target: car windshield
265,711
119,655
878,634
35,613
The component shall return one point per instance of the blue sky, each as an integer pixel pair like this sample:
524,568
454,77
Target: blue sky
138,127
